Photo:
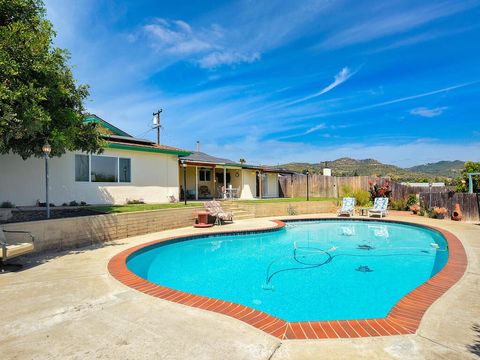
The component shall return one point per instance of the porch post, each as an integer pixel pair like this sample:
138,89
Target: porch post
196,182
242,181
225,182
260,182
214,179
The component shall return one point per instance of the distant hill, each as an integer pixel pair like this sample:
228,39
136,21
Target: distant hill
440,171
450,169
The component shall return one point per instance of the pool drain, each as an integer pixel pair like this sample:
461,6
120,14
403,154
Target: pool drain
364,269
365,247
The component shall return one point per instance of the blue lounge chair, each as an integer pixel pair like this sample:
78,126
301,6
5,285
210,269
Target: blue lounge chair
379,207
348,207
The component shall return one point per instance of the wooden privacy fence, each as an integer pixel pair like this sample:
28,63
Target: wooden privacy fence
469,203
331,186
401,191
319,185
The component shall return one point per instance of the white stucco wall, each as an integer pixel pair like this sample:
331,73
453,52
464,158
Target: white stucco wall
272,185
249,187
154,177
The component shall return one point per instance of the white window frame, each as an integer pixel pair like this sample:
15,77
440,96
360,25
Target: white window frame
118,170
204,171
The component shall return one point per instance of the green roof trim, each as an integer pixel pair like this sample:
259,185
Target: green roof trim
114,129
147,149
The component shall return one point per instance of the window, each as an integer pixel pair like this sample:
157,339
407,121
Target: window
205,174
93,168
124,170
81,168
103,169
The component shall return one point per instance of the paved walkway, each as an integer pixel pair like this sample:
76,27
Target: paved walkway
66,305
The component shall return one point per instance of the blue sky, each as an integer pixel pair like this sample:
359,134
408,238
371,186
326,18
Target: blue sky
275,82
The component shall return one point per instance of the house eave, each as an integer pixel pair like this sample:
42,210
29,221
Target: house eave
147,149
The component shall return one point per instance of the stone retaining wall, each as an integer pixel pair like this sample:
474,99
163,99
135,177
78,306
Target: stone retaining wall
285,208
56,234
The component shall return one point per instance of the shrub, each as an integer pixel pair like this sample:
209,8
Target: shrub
362,197
346,191
7,205
412,199
73,203
400,204
83,203
415,208
291,210
134,201
379,191
439,212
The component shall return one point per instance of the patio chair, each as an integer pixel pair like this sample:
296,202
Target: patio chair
10,250
348,207
204,191
379,207
215,209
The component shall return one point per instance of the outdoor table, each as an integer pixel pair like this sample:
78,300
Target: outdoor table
363,211
230,193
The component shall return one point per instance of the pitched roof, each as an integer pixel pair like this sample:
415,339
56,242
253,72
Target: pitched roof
105,124
122,145
201,157
119,139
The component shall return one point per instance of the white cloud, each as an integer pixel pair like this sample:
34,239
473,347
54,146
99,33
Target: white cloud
315,128
177,37
399,100
203,46
218,58
386,24
426,112
339,79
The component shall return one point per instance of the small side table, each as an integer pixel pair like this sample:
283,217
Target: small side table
363,211
202,220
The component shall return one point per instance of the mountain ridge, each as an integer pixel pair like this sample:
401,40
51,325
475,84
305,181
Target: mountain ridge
345,166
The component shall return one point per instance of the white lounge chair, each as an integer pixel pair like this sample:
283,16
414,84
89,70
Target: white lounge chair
10,250
379,207
348,207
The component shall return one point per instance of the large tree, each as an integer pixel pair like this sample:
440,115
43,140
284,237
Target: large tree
469,167
39,99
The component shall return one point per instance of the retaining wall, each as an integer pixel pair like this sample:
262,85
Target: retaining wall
56,234
282,208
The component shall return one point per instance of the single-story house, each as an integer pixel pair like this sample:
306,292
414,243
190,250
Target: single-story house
131,169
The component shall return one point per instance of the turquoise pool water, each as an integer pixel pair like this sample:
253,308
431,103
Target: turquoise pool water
310,270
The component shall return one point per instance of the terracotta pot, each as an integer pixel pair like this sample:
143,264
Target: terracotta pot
457,213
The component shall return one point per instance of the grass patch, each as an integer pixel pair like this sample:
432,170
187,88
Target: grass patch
112,209
285,200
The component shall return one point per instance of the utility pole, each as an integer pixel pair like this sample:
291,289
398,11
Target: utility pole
156,124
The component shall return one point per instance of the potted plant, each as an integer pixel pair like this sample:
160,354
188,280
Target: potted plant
439,212
415,208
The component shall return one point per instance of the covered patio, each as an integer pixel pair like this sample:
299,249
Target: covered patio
205,177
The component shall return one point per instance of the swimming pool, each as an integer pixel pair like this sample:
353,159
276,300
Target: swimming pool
307,271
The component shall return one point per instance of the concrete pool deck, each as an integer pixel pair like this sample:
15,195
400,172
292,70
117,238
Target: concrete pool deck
67,305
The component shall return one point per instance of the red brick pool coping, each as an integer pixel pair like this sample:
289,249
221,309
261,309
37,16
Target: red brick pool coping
403,318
